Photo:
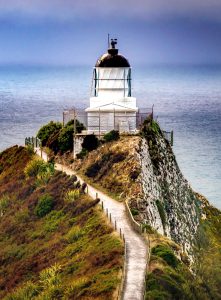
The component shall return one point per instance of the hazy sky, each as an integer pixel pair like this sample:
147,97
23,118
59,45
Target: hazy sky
75,32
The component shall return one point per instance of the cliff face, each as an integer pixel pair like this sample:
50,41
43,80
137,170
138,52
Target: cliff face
168,203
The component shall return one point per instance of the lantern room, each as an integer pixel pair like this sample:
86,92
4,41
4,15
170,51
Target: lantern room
111,104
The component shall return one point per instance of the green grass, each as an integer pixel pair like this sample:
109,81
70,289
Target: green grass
166,254
170,278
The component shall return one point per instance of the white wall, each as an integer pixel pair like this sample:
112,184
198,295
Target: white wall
107,122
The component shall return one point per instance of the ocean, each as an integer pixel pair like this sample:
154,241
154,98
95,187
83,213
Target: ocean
186,99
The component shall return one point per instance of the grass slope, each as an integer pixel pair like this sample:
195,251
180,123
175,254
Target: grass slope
113,168
67,253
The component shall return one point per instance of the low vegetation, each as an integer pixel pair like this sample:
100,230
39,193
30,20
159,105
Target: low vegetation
111,167
44,205
113,135
54,240
48,130
90,142
58,138
150,131
169,277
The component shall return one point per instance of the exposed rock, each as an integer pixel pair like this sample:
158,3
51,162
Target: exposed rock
168,204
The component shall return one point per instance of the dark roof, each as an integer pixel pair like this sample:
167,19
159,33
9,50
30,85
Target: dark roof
112,60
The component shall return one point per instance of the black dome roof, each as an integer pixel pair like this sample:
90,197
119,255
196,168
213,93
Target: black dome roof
112,59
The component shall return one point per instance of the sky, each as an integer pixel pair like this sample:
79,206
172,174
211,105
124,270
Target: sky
65,32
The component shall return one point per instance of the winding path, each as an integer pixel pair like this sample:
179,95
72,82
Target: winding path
136,257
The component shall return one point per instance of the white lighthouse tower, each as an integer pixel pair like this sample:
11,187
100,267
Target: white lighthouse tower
111,105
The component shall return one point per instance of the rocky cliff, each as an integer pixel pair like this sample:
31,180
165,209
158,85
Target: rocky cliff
167,203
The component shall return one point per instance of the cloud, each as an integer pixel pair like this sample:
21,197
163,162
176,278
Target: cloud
147,9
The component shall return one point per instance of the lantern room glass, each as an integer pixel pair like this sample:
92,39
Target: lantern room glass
108,81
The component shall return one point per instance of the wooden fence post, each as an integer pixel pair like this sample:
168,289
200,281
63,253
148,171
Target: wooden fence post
172,138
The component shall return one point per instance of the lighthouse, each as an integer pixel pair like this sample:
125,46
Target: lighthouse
112,106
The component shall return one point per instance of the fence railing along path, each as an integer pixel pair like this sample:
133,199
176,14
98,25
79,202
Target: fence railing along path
136,248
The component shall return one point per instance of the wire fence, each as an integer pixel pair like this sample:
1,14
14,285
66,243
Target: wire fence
101,121
114,225
122,121
169,136
142,231
33,142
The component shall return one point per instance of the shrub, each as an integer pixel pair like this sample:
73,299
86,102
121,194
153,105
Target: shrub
46,171
166,254
134,174
113,135
82,154
44,206
148,228
155,127
90,142
50,276
33,167
57,138
27,291
118,157
93,169
77,185
79,125
65,139
150,128
4,203
39,169
53,220
74,234
48,130
134,211
30,149
52,142
72,195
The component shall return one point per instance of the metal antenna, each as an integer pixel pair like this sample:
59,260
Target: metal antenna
108,41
